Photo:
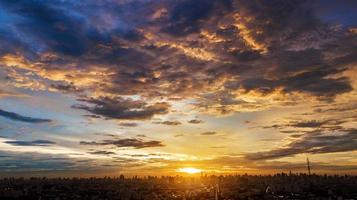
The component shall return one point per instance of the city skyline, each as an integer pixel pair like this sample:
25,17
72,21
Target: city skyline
166,87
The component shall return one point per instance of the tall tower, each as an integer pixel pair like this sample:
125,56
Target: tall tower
308,165
217,193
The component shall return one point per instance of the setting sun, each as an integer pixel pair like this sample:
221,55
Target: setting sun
189,170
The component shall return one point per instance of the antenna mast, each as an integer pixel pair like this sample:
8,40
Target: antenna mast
308,165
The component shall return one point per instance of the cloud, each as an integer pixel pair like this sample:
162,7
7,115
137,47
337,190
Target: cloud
332,123
119,108
128,124
169,123
70,88
102,152
329,123
18,117
141,135
42,163
179,135
185,17
312,82
4,93
209,133
127,142
195,121
31,143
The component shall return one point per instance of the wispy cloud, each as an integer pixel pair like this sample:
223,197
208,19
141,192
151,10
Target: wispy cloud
169,123
102,152
31,143
195,121
18,117
179,135
128,124
208,133
127,142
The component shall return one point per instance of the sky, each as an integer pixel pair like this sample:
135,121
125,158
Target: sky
154,86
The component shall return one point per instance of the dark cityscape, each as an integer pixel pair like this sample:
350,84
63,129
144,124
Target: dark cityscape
204,187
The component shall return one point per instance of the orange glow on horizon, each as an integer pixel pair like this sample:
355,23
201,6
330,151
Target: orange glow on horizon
190,170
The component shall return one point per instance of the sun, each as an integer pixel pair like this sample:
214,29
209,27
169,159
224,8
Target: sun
189,170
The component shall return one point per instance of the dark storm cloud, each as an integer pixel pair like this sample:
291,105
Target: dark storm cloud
127,142
119,108
314,143
31,143
18,117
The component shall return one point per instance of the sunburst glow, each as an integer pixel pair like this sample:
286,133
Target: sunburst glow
190,170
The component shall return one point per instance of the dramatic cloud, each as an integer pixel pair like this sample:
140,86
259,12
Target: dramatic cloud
18,117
